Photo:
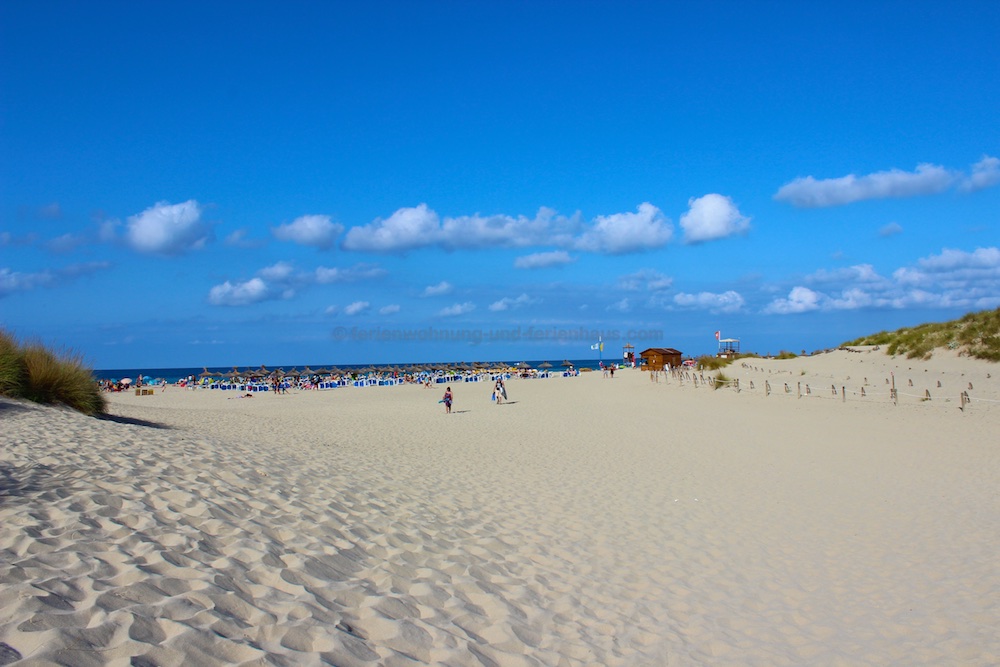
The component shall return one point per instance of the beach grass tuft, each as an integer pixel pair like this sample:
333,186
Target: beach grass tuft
711,363
975,334
721,380
38,374
12,372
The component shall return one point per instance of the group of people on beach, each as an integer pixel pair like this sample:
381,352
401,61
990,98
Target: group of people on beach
499,395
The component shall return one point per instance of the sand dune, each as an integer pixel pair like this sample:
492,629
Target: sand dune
587,522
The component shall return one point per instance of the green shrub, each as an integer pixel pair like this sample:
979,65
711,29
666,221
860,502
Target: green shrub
710,363
721,380
36,373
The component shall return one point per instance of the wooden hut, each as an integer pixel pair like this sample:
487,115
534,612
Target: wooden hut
659,358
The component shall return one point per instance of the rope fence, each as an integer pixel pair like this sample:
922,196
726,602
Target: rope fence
799,390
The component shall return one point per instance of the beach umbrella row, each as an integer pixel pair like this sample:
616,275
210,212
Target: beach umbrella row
263,371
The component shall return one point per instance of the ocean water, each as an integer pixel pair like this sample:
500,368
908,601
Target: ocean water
172,375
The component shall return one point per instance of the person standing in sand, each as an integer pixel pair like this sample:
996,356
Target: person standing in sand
448,397
499,391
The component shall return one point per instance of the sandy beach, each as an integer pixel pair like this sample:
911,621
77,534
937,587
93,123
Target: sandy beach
589,521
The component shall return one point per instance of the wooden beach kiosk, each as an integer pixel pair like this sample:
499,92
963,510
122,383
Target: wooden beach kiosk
660,358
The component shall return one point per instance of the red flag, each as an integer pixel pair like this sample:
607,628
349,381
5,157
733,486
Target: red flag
717,335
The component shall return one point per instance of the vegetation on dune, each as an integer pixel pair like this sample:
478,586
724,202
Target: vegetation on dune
721,380
711,363
37,374
975,334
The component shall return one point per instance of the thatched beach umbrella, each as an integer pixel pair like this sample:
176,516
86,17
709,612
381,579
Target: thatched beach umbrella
566,363
545,364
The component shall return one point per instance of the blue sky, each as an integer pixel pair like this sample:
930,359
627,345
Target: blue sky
189,184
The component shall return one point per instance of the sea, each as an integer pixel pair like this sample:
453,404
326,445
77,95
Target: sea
172,375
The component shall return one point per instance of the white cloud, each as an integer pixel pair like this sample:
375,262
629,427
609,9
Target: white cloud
891,229
419,227
800,300
167,229
645,279
811,193
951,260
405,229
985,174
853,299
457,309
278,272
951,279
356,308
281,280
645,229
389,310
238,239
309,230
15,281
508,303
543,260
712,217
65,243
620,306
864,273
443,287
239,294
477,231
725,302
325,275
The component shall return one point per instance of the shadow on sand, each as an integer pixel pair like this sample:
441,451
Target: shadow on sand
134,422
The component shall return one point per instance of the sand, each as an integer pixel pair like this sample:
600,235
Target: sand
587,522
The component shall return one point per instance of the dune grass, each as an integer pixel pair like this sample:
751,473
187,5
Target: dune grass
33,372
721,380
709,362
975,334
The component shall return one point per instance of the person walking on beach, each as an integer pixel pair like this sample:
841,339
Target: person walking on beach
499,391
448,397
